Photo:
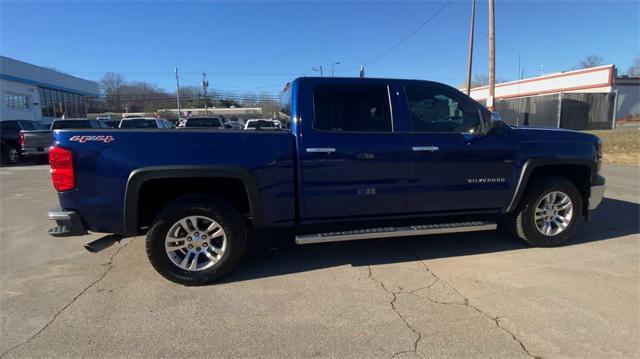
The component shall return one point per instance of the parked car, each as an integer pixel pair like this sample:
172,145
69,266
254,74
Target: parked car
13,138
144,122
233,125
365,158
203,122
110,123
168,123
260,125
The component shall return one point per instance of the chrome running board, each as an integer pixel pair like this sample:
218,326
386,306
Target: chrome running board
387,232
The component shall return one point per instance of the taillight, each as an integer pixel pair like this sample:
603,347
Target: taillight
21,140
62,173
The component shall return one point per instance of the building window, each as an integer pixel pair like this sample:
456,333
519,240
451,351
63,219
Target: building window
56,103
16,101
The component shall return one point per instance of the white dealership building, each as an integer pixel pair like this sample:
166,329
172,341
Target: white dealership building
585,99
30,92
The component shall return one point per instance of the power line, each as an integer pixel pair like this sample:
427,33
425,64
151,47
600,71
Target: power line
372,60
404,39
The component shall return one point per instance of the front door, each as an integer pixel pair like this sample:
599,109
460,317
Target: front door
455,165
352,163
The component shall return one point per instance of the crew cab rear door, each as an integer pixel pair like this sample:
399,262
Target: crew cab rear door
352,162
454,165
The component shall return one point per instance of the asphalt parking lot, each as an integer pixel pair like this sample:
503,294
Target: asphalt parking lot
469,295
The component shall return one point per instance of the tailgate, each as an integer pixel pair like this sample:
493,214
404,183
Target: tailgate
40,140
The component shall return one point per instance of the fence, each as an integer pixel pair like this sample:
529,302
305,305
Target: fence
576,111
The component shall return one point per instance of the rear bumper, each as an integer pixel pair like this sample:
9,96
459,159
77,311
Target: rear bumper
35,151
68,223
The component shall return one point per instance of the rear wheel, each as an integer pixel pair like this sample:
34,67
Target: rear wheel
10,155
196,241
549,212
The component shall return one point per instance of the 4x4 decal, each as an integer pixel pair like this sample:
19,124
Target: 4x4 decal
84,139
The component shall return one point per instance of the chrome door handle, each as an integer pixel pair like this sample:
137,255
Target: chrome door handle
425,148
321,150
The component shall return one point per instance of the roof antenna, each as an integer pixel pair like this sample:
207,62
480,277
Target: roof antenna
361,71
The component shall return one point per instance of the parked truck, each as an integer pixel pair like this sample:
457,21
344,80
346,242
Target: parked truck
36,140
22,139
363,158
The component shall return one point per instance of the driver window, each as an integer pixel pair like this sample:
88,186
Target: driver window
434,109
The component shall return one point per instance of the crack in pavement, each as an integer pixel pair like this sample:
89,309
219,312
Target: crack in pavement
466,302
395,310
109,263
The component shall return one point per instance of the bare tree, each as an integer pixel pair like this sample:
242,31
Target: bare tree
249,100
144,96
634,70
111,85
591,61
190,92
111,81
270,107
479,80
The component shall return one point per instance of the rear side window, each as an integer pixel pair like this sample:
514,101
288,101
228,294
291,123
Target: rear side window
203,122
141,123
70,124
352,108
437,109
31,126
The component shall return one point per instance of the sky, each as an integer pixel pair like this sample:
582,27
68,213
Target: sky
258,46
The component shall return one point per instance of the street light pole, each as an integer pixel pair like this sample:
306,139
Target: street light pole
205,84
319,68
333,64
492,58
470,59
178,93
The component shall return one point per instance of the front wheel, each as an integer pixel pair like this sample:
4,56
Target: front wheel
196,241
549,212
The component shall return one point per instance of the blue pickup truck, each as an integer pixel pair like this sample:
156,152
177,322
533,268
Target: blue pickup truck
363,158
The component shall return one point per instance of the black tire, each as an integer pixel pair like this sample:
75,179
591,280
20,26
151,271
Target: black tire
225,215
10,155
522,223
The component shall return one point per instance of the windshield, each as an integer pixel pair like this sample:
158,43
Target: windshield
203,122
261,123
141,123
31,126
66,124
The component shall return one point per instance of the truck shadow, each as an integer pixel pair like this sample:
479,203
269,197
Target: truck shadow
614,218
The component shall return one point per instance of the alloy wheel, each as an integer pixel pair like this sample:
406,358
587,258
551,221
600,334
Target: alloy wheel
553,213
195,243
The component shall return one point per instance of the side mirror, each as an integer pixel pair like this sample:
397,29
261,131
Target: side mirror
495,122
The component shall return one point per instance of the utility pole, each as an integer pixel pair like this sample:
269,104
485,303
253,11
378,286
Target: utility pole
333,64
178,93
470,60
492,58
205,84
319,68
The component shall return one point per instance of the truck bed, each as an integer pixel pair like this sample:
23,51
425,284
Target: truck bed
105,160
